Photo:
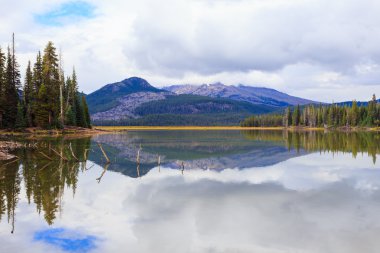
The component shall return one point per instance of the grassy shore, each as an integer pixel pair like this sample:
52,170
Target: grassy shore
210,128
51,132
200,128
75,131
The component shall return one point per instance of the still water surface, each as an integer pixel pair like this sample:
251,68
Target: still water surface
214,191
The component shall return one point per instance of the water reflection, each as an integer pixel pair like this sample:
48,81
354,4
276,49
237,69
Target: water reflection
236,191
226,149
45,175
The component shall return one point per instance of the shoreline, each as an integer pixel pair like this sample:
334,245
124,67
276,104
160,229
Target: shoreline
77,131
233,128
69,131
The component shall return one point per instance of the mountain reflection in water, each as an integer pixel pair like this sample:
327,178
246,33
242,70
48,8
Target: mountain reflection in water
251,166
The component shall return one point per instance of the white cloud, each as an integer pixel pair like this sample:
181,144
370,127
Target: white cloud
316,49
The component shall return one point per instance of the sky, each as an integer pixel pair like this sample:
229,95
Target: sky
317,49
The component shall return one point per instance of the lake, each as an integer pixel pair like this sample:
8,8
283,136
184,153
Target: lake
193,191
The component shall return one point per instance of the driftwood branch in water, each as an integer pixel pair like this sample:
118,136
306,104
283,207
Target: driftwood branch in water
104,171
104,153
59,154
85,153
47,157
11,161
159,163
72,153
138,161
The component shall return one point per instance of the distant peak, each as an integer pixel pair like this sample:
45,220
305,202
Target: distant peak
134,78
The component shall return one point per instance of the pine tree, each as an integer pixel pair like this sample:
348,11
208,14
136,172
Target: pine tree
296,116
50,77
37,73
80,120
354,113
2,85
20,117
42,111
86,112
70,118
29,95
10,92
371,117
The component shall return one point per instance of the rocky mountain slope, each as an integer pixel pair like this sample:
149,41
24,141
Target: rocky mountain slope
109,96
135,101
254,95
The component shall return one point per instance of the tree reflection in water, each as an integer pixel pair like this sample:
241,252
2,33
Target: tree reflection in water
46,174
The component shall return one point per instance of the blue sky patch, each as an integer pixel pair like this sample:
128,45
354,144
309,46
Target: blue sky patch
69,241
65,13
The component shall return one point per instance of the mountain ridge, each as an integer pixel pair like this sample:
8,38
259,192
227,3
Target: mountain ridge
241,92
135,101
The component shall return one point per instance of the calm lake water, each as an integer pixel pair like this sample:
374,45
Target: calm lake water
214,191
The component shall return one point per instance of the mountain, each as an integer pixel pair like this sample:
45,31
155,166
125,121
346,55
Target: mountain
254,95
134,101
108,96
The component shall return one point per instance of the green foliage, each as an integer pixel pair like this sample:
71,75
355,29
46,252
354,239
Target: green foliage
296,116
368,114
42,100
80,117
42,112
12,83
2,85
86,112
274,120
20,117
70,117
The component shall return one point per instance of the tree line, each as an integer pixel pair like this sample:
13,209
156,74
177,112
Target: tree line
334,115
46,99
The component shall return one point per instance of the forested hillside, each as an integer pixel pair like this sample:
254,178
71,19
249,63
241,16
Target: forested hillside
335,115
46,99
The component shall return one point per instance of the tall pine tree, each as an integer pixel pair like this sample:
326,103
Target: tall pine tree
12,83
29,96
2,85
50,78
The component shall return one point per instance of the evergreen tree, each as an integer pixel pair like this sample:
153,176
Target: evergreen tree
42,112
354,113
20,117
296,116
70,118
11,98
29,95
80,119
37,73
50,77
86,112
372,111
2,85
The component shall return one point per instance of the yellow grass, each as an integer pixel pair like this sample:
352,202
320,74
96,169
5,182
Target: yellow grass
210,128
201,128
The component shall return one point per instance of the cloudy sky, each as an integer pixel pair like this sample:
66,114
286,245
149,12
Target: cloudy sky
318,49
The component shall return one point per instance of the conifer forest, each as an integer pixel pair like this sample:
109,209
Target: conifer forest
46,98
